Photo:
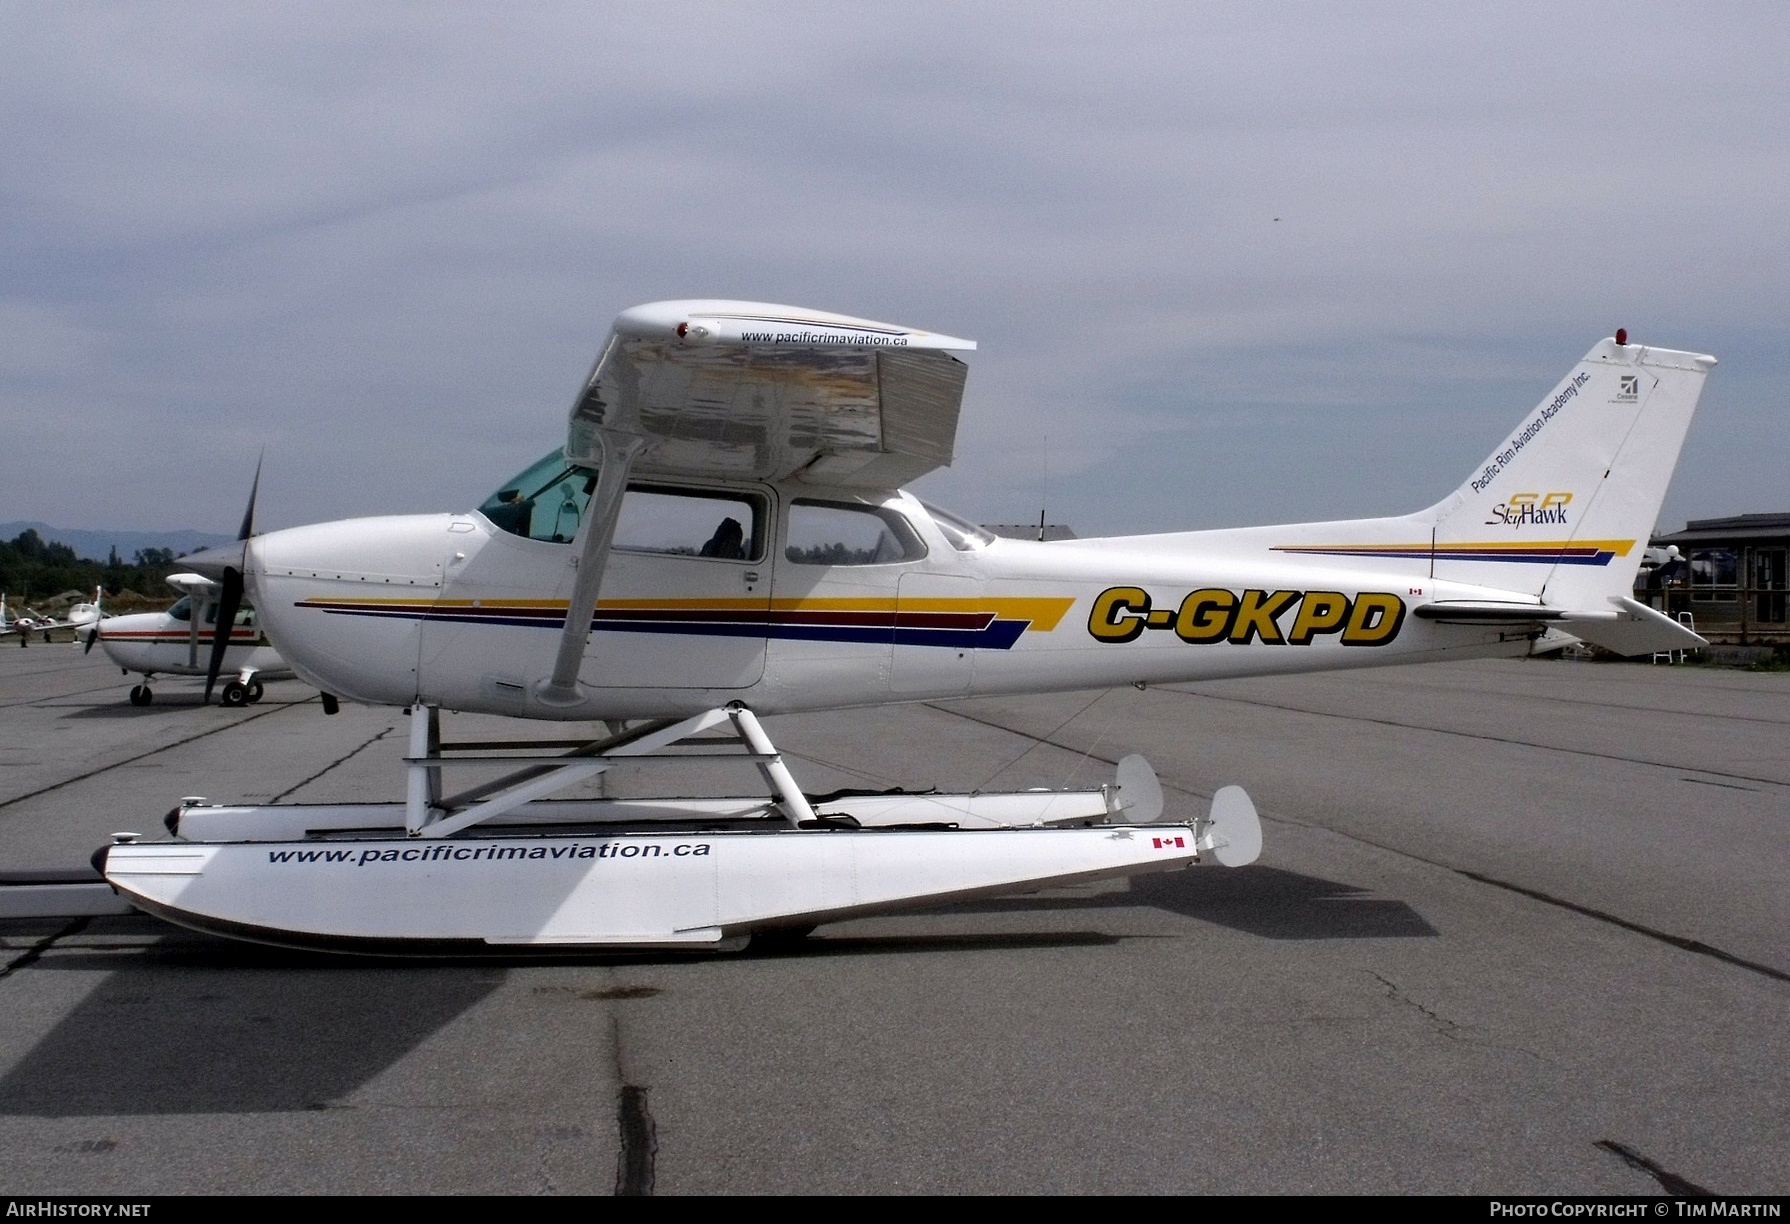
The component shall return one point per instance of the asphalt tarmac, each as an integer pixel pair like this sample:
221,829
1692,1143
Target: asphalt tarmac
1519,927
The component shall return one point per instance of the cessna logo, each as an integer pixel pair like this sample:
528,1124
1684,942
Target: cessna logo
1532,510
1628,389
1372,618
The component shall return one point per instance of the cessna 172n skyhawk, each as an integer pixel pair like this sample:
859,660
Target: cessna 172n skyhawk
168,643
724,536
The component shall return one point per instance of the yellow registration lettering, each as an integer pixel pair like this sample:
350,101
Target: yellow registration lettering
1205,616
1319,612
1374,620
1255,615
1119,613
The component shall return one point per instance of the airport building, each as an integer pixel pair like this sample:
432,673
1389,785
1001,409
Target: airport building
1031,531
1729,576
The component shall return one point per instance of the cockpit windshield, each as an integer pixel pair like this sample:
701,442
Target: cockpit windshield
546,502
183,611
964,535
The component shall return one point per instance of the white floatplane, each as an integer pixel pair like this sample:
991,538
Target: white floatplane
725,536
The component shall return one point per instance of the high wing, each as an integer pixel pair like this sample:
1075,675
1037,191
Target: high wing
749,390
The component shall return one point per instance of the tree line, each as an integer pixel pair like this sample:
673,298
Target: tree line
38,569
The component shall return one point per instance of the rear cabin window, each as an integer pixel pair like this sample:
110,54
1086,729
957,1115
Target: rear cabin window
843,533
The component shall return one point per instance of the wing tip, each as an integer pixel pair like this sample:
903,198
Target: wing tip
768,324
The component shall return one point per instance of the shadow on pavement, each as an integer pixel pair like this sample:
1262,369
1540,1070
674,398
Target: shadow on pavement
188,1025
1265,901
177,704
874,945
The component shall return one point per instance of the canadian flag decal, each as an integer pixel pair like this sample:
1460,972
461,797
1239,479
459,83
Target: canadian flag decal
1168,843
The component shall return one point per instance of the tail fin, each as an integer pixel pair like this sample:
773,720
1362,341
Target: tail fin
1563,508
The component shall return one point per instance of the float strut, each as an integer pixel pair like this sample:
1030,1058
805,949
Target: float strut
776,773
422,796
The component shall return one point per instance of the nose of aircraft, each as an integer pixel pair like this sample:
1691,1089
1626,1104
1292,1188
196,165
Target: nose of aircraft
405,550
212,562
338,599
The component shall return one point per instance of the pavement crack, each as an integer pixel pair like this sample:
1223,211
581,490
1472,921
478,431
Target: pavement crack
1666,937
339,761
639,1143
1472,735
638,1150
55,697
1442,1024
1670,1182
94,773
1677,941
30,955
1728,785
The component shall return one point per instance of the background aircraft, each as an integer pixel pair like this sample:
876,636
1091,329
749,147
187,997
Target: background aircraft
80,617
178,642
212,612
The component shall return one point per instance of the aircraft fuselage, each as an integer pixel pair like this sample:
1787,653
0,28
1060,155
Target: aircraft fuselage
451,610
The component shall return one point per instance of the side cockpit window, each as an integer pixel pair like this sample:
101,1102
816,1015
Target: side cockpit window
722,526
845,533
245,614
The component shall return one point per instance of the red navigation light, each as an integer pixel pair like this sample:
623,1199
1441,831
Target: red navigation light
683,329
1621,334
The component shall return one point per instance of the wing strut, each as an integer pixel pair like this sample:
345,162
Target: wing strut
617,452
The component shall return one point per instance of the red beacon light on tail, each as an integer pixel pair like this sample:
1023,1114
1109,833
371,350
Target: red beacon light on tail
1622,335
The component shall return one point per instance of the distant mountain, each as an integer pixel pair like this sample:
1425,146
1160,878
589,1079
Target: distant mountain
97,545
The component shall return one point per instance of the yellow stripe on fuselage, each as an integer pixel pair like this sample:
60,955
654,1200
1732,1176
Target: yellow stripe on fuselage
1044,612
1619,547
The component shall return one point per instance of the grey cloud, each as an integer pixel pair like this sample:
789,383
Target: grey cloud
386,240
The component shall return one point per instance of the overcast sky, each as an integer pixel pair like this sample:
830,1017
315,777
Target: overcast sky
1227,264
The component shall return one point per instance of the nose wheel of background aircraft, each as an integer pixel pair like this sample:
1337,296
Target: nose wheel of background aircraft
141,696
236,693
254,691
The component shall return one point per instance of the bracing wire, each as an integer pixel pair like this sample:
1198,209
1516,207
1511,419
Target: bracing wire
1041,739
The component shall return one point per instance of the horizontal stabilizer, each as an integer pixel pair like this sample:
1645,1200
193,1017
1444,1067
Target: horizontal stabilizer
1635,629
1485,612
1624,628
